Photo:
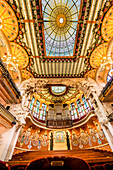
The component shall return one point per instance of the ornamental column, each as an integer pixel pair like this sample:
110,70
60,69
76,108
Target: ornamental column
105,124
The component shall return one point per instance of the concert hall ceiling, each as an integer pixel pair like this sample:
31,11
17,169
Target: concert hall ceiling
60,38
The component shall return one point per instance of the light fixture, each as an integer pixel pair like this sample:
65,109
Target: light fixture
61,20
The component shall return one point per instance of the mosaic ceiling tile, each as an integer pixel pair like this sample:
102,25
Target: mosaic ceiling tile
91,74
26,75
107,25
8,21
60,25
98,55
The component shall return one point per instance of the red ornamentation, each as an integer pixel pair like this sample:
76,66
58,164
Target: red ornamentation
38,16
13,6
17,14
20,26
105,9
82,17
101,17
20,32
37,7
84,8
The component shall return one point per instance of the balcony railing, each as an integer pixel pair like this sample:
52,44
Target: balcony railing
58,124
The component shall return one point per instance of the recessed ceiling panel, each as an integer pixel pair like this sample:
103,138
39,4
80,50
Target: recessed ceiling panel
60,25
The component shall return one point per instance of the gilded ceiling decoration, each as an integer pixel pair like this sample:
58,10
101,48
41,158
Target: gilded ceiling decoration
8,21
100,32
91,73
32,35
19,55
60,26
107,25
98,55
46,94
26,75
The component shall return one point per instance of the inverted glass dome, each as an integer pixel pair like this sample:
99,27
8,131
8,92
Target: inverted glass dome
58,90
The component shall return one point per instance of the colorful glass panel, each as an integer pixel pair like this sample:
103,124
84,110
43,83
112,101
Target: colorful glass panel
80,108
36,109
31,103
60,25
58,90
73,111
43,112
110,74
86,105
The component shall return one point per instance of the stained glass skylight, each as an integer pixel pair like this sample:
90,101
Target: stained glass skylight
58,90
60,25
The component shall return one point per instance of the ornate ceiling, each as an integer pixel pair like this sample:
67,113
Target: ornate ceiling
56,38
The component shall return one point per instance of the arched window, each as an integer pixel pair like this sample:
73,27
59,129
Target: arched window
86,104
36,109
73,111
80,108
43,112
110,74
31,103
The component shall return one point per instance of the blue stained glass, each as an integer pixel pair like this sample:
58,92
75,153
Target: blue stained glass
110,74
59,34
31,103
73,111
86,105
37,106
43,112
80,108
